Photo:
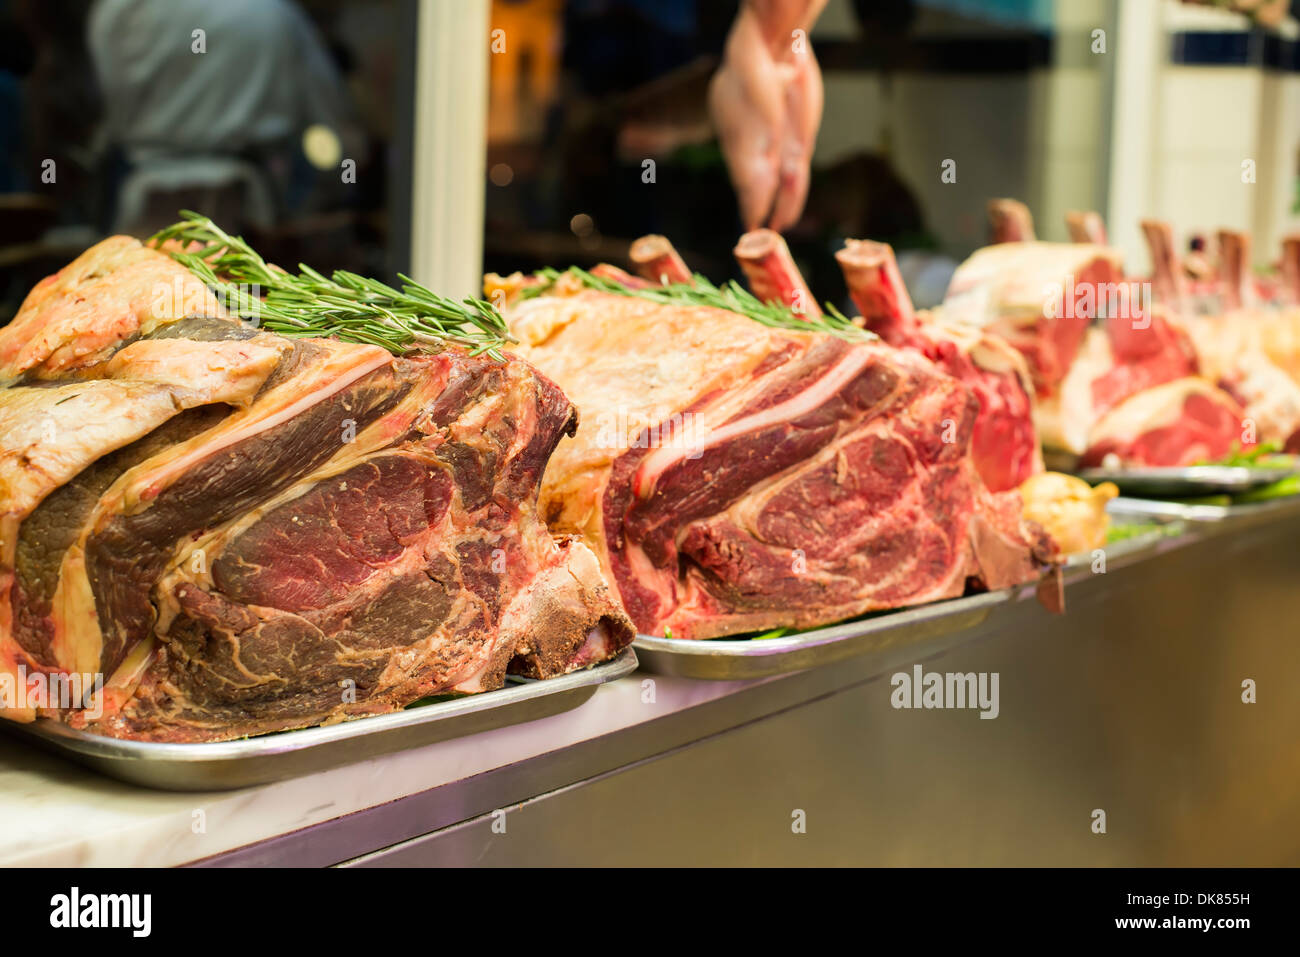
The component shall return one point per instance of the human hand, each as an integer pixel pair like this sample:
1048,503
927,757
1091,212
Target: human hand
766,103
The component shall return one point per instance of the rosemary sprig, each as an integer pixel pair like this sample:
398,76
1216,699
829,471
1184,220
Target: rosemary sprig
731,296
343,305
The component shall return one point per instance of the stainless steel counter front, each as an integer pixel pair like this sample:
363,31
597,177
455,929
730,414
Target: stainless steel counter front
1129,706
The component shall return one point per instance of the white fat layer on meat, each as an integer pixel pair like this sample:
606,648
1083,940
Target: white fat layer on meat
1153,409
1258,353
1013,281
371,443
78,639
235,367
654,359
835,378
1064,419
115,290
910,509
1272,397
992,353
50,435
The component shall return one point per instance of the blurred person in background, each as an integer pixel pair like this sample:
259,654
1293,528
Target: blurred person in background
220,105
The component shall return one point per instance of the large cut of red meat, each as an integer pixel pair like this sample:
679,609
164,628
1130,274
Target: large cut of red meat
1137,391
1179,423
1039,297
736,477
1148,347
1126,389
1247,347
245,533
1004,444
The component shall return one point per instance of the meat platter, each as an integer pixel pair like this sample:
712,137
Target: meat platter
937,626
210,530
226,765
332,498
1144,509
1192,480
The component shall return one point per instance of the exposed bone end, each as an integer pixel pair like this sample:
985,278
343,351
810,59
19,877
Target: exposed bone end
1010,221
1085,226
771,271
757,244
876,286
654,258
1291,266
1166,274
1234,268
620,276
1157,231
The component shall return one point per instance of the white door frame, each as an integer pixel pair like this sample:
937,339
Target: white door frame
450,145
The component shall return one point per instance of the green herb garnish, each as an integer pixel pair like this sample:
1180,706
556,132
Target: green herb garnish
731,296
343,305
1262,455
1121,533
1282,488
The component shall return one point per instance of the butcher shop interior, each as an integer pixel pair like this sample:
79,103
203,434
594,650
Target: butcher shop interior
651,433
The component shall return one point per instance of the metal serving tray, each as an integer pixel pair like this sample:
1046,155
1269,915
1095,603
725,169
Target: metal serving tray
1143,509
274,757
732,659
723,658
1192,480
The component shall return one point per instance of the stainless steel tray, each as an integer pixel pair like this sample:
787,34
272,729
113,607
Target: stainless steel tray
1144,509
235,764
1189,481
730,659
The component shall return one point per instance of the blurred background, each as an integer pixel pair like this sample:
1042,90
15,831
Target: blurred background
445,137
114,114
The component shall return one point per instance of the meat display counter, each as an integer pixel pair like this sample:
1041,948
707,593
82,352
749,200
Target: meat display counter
1153,724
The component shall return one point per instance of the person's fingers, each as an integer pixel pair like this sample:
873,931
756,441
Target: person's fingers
745,148
812,101
804,100
756,179
792,186
746,101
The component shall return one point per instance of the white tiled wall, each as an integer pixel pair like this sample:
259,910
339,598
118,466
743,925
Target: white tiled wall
1279,166
1042,136
1211,119
1033,136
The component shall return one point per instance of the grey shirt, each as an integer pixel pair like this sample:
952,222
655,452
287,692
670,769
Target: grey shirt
264,78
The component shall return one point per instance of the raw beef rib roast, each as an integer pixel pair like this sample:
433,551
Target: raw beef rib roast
735,476
1039,297
247,533
1004,444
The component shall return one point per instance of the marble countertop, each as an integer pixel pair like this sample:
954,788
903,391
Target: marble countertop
56,813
